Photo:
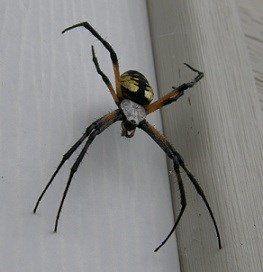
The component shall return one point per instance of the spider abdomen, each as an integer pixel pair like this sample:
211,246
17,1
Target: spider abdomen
135,87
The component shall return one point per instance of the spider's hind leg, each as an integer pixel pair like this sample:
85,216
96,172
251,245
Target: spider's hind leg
113,55
104,77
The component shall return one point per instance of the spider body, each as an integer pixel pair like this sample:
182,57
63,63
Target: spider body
135,87
136,92
134,114
133,96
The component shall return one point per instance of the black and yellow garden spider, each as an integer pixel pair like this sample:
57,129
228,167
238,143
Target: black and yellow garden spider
133,96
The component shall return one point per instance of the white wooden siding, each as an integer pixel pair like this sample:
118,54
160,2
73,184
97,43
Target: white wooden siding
118,208
219,132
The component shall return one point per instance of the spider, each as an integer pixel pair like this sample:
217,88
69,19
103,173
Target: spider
133,96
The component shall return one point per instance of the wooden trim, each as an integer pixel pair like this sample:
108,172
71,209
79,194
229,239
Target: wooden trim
217,129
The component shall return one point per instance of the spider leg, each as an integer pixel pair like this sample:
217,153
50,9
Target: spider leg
104,77
176,157
183,201
106,121
201,193
113,55
68,154
175,94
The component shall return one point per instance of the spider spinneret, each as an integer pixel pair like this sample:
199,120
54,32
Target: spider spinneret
133,96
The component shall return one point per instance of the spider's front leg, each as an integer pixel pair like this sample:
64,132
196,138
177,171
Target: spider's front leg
178,161
66,156
91,132
183,200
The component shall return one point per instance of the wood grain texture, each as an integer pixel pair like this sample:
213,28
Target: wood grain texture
118,208
252,25
217,129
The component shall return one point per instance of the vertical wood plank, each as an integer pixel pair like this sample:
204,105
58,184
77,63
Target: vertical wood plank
118,208
217,129
252,25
